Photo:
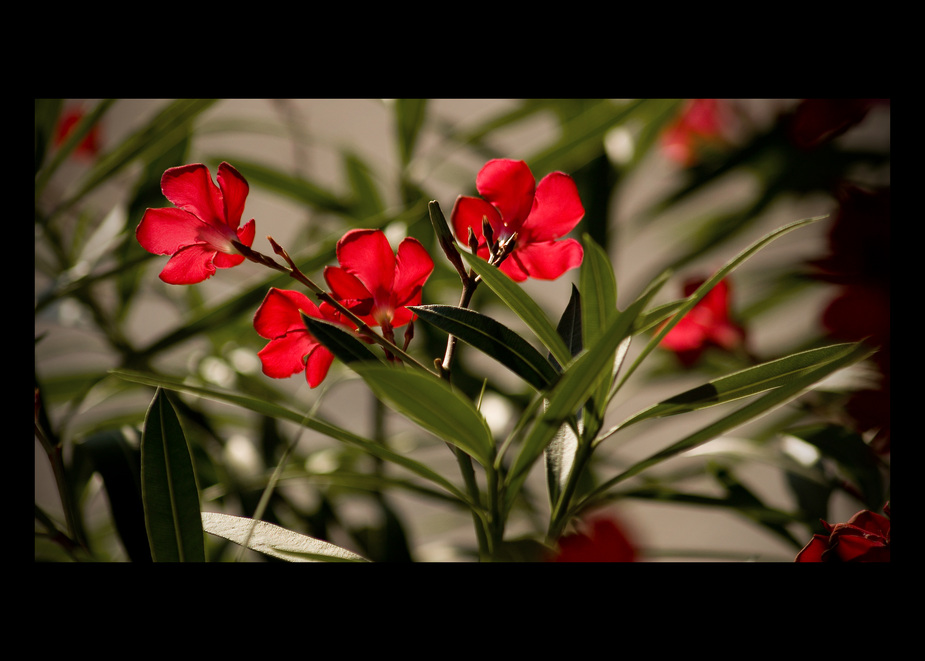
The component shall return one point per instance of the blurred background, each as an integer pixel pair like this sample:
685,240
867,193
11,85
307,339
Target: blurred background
681,183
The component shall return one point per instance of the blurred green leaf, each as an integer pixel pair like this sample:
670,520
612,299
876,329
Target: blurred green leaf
433,404
47,112
274,540
168,128
521,304
169,489
296,188
494,339
409,116
367,202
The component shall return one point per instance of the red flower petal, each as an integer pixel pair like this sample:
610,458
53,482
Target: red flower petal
279,313
468,212
509,186
545,260
413,266
234,192
366,253
164,231
190,188
317,365
813,551
189,265
284,356
556,209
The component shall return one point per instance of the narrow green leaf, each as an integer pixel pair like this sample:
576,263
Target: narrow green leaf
296,188
744,383
785,393
169,490
521,304
576,384
346,346
409,116
598,309
492,338
433,404
274,540
278,412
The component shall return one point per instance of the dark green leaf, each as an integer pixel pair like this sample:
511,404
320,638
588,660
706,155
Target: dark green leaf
345,345
492,338
169,490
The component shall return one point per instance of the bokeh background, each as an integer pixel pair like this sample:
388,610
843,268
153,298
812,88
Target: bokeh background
664,182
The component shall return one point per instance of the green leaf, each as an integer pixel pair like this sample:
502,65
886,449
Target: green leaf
433,404
744,383
576,384
169,490
790,390
409,115
274,540
296,188
598,309
345,345
521,304
492,338
278,412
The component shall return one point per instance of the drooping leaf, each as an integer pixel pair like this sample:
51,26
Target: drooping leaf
169,489
278,412
274,540
433,404
521,304
492,338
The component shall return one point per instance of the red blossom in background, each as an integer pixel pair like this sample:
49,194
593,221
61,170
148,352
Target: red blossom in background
864,538
292,348
701,122
539,214
708,324
199,231
376,284
89,147
604,541
817,121
858,262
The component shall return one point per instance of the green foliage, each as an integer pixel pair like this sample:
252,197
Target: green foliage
160,420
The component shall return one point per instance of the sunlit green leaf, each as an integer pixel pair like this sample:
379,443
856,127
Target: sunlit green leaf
492,338
169,489
434,404
274,540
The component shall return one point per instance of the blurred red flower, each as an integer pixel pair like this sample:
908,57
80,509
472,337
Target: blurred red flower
858,262
89,147
817,121
539,214
199,231
864,538
376,284
708,324
701,122
605,541
292,348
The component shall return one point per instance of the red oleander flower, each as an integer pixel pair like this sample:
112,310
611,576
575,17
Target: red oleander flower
707,324
864,538
818,121
539,214
701,122
604,542
89,147
292,348
198,232
376,284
